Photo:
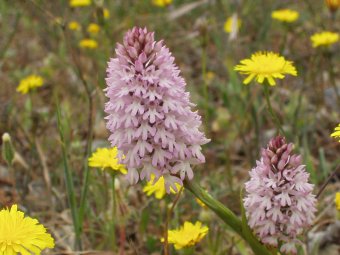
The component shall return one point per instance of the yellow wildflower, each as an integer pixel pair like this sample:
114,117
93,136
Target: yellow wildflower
325,38
107,158
106,13
229,25
158,187
20,234
333,5
336,133
73,25
337,201
285,15
265,65
161,3
188,235
79,3
93,28
29,83
88,43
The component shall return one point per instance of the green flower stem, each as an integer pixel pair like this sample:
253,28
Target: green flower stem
168,218
114,208
271,111
204,75
69,183
227,216
84,190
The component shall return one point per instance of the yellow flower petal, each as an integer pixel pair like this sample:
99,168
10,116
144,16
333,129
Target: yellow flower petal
158,187
187,235
29,83
79,3
336,133
106,158
106,13
93,28
88,43
20,234
337,201
73,25
161,3
265,65
285,15
325,38
229,25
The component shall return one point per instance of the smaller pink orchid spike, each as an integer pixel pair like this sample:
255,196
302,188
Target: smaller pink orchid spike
279,202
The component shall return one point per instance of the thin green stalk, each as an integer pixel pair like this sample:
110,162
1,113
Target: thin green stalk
69,183
228,217
88,146
84,190
271,111
204,75
114,208
168,218
283,43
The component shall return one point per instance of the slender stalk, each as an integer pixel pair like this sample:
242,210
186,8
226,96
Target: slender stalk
271,111
324,185
168,218
69,183
114,207
204,75
283,43
227,216
86,172
88,146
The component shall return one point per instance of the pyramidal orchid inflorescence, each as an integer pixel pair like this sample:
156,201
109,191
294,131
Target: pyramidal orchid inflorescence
279,202
149,112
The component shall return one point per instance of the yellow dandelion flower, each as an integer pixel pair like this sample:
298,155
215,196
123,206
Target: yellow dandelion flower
88,43
73,25
336,133
20,234
106,13
158,188
265,65
79,3
230,26
285,15
107,158
188,235
337,201
29,83
325,38
333,5
93,28
161,3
